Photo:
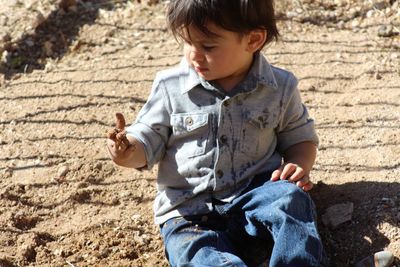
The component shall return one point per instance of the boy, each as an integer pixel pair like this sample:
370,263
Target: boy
233,140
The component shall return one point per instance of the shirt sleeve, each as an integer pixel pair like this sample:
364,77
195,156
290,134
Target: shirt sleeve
152,126
295,125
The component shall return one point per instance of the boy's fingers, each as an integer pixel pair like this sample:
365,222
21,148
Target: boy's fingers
297,175
305,183
276,174
287,171
308,186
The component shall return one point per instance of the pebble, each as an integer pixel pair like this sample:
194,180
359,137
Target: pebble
386,31
148,57
370,13
48,48
378,76
62,171
3,20
143,46
58,253
132,105
380,5
5,57
98,165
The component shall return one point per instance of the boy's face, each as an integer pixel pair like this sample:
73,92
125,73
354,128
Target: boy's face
224,57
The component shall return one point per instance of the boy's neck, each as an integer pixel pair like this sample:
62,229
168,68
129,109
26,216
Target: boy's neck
229,83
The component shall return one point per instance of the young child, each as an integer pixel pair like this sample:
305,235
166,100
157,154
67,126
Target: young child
234,143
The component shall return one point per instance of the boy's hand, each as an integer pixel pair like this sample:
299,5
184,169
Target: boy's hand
118,144
118,134
295,174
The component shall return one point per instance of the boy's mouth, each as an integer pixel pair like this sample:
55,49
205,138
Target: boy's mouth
200,69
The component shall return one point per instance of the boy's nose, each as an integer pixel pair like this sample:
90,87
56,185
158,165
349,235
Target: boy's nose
196,55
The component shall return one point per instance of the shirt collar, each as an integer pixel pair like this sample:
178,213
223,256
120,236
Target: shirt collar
260,73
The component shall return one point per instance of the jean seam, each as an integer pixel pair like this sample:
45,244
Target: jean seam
226,260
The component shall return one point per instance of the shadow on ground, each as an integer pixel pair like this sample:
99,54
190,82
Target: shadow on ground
51,39
360,237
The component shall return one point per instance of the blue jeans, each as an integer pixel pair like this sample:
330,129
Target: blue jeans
278,214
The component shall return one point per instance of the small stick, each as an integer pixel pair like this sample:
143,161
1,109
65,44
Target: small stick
120,121
118,134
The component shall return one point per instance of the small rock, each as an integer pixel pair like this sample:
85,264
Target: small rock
48,48
104,253
143,46
49,67
120,235
132,105
378,76
386,31
62,171
3,20
380,5
29,42
291,14
98,166
355,24
338,214
148,57
370,13
59,253
5,57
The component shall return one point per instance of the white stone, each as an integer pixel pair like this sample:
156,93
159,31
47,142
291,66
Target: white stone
62,171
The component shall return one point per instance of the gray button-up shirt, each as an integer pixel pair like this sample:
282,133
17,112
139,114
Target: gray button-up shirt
210,143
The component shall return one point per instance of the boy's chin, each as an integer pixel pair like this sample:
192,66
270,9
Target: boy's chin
205,76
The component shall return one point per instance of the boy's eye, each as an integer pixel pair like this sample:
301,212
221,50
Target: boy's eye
208,47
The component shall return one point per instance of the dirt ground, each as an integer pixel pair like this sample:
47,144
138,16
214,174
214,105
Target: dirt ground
64,203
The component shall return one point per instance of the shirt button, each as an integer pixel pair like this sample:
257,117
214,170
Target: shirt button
189,121
223,139
220,174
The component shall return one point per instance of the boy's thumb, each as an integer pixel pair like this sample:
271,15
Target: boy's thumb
276,175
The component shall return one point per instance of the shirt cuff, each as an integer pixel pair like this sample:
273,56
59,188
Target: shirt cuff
150,140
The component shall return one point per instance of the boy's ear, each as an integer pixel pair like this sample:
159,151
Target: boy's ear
256,40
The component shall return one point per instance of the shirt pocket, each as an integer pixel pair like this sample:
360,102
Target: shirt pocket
258,134
190,133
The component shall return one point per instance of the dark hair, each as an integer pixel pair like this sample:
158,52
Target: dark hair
241,16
